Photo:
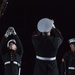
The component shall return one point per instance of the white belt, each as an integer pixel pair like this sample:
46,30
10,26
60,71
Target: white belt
8,62
45,58
71,68
14,62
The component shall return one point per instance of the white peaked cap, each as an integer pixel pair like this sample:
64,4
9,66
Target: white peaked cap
12,40
45,25
72,40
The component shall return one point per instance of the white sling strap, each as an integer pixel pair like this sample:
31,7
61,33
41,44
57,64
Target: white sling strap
19,71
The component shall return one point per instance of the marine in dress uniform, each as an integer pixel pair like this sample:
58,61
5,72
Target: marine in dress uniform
11,51
46,41
68,60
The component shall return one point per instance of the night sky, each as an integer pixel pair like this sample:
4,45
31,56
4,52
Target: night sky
23,15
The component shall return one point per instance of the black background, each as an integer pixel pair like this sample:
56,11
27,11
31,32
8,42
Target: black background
24,15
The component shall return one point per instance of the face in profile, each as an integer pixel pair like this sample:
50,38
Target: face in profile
12,46
72,46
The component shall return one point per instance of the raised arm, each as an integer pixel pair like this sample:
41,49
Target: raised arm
56,32
18,41
19,45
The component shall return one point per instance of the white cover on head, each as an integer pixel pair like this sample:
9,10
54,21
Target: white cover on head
45,25
71,40
12,40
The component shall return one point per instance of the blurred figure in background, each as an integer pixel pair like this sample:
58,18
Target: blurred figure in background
68,60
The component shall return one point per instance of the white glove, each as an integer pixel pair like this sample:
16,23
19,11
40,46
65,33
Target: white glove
6,34
53,26
10,31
